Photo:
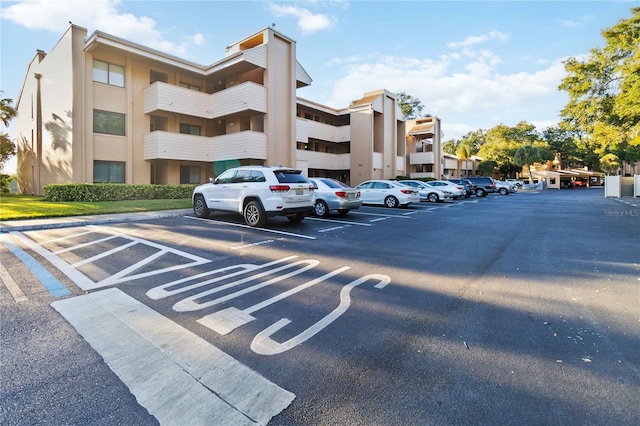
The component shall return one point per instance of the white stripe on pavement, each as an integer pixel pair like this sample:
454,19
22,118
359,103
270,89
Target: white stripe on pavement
177,376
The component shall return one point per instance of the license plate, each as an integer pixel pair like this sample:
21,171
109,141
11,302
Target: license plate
299,191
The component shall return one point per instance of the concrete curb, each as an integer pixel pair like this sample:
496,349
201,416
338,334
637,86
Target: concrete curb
72,221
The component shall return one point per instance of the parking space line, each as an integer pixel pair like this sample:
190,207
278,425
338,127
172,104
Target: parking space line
380,214
53,286
176,375
347,222
11,285
239,225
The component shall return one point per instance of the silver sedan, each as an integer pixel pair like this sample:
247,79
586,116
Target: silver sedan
331,194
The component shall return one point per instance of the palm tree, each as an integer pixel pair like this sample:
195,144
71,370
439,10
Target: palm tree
463,151
527,155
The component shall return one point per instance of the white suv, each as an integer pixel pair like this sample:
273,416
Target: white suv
256,192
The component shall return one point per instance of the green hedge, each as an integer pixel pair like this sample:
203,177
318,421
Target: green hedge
115,192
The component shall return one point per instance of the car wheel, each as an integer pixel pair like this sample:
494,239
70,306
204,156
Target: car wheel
391,202
296,218
343,212
321,209
480,193
504,191
200,207
433,198
254,214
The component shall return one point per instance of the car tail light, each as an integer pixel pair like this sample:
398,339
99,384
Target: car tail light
341,194
279,188
406,191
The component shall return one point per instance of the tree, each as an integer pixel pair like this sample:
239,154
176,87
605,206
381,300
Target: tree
463,151
562,141
604,92
411,107
7,147
527,155
609,163
485,168
501,143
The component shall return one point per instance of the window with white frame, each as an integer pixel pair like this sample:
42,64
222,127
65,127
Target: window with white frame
104,72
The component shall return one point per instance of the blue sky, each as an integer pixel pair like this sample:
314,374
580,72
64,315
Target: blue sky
474,64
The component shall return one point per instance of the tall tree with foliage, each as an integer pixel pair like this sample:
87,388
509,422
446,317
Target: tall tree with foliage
7,147
501,143
563,142
604,92
411,107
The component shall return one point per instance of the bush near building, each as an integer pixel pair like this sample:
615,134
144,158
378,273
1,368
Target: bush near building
115,192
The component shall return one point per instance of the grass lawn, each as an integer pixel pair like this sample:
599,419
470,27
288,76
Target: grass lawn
14,207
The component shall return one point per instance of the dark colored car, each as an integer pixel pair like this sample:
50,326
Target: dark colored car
484,185
469,187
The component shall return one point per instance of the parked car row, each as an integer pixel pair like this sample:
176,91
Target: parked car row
259,192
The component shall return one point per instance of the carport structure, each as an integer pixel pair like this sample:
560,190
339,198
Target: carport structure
557,179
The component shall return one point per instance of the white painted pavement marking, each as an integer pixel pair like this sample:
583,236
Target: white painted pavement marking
86,283
193,303
76,276
238,225
225,321
177,376
263,344
346,222
392,215
11,285
161,291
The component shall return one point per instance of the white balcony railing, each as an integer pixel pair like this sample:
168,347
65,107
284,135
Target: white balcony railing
178,146
421,158
246,96
323,160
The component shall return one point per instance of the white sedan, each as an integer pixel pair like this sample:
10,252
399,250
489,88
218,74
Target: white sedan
456,190
387,193
427,192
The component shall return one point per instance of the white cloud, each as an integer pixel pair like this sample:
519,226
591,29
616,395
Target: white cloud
308,22
473,40
479,94
103,15
580,22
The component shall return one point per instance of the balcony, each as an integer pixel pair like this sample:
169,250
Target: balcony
312,129
178,146
421,158
246,96
323,160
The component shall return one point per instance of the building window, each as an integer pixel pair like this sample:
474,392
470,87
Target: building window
108,171
189,129
189,86
189,174
111,123
107,73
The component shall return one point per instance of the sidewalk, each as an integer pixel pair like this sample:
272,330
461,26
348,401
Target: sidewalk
70,221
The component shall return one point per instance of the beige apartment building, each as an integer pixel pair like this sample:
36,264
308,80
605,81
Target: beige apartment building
99,108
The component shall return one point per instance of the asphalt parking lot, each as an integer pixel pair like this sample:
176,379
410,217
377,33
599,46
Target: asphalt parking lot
518,309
